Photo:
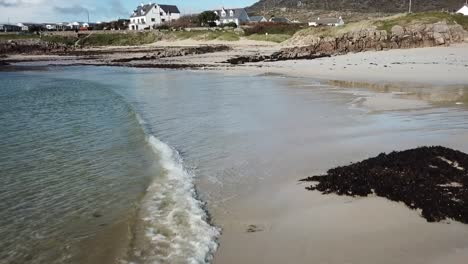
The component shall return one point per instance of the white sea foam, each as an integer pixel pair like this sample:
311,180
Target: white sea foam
176,227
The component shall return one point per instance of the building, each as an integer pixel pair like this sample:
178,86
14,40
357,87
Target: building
24,27
10,28
463,10
258,19
150,15
232,15
332,22
279,20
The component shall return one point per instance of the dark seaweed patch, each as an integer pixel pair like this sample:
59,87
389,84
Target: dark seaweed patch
433,179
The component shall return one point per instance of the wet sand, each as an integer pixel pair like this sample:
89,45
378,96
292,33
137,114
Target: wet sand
277,221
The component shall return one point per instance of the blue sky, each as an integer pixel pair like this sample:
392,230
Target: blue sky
76,10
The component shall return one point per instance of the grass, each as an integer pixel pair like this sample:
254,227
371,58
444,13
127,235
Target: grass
203,35
13,36
420,18
385,23
273,28
278,38
67,40
120,39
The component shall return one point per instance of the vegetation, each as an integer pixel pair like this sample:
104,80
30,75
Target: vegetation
273,28
67,40
203,35
278,38
362,6
13,36
207,17
421,18
121,39
230,24
385,23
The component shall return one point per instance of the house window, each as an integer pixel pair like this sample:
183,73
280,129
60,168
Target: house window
163,20
231,13
153,19
161,13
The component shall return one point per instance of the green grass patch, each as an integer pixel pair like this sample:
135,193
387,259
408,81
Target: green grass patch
203,35
14,36
67,40
273,28
421,18
278,38
120,39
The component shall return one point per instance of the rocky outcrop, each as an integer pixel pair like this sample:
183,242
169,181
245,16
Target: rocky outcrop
414,36
31,46
177,52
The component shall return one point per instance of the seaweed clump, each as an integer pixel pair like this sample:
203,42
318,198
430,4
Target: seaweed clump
433,179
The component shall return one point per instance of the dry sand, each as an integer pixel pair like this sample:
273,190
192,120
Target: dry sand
434,66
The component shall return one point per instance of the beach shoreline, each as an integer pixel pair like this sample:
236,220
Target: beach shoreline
307,226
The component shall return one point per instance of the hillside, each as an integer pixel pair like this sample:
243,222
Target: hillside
363,6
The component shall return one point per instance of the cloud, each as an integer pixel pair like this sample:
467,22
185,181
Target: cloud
118,8
10,3
76,9
17,3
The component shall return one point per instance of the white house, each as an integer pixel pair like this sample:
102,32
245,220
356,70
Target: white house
332,22
463,10
232,15
23,26
150,15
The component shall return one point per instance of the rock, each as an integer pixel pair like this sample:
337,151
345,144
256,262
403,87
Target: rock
439,38
398,31
239,31
440,27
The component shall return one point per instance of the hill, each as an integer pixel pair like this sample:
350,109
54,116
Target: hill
362,6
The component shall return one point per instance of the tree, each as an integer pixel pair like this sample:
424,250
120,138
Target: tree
206,17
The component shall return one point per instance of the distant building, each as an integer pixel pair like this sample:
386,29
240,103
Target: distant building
232,15
332,22
23,27
279,20
463,10
150,15
258,19
10,28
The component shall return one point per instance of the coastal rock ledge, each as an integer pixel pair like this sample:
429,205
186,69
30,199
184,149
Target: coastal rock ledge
365,39
432,179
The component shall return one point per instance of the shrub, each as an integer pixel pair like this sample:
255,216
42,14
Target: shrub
230,24
163,27
273,28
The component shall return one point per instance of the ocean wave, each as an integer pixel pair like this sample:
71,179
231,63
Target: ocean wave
175,228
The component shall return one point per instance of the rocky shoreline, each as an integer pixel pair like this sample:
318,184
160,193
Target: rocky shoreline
367,39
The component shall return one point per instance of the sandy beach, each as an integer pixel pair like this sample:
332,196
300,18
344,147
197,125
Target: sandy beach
374,98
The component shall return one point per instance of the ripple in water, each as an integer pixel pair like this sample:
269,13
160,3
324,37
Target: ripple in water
74,162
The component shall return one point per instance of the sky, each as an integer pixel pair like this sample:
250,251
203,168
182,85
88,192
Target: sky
16,11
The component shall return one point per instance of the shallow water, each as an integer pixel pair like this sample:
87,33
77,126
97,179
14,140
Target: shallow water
84,148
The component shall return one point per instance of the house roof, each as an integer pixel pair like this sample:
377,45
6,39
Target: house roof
257,18
170,9
463,10
142,10
279,20
237,12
